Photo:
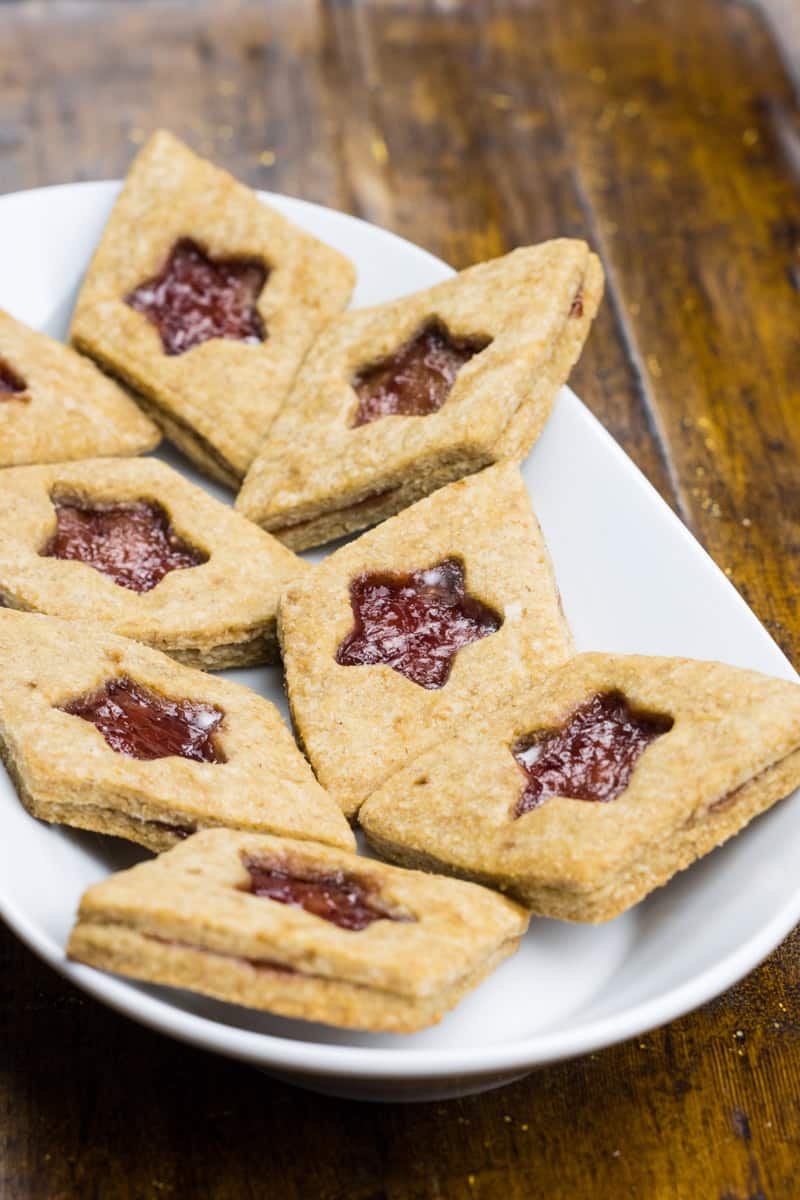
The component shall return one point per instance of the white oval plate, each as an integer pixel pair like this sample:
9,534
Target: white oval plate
633,580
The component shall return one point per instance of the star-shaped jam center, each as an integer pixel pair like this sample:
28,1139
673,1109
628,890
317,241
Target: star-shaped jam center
417,378
141,723
196,298
134,544
11,384
591,757
335,896
415,623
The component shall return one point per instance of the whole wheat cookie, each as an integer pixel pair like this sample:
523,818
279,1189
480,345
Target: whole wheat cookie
445,609
397,400
584,793
133,545
55,405
205,301
298,929
102,733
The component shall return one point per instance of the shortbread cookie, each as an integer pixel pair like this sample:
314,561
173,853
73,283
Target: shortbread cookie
298,929
205,301
447,608
133,545
585,793
395,401
102,733
55,406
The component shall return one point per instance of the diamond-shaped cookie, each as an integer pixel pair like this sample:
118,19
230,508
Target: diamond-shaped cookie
580,796
102,733
133,545
298,929
395,401
368,687
205,301
55,405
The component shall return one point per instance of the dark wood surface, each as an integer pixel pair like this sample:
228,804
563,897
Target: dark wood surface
665,131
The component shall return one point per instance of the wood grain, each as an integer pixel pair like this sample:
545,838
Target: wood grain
666,132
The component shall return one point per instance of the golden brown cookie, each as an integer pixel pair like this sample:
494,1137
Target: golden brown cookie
133,545
55,405
582,795
102,733
298,929
397,400
205,301
367,692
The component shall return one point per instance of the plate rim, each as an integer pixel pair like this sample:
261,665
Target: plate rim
315,1059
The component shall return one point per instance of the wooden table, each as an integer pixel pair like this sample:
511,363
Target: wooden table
667,133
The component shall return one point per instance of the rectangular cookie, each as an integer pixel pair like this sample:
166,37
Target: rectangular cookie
205,301
298,929
368,689
397,400
584,793
101,733
132,545
56,406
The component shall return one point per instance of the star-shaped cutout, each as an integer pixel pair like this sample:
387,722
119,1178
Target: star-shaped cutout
196,298
133,544
417,378
591,757
141,723
335,896
415,623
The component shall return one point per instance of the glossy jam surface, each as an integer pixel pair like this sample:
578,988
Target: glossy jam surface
144,724
196,298
415,623
11,384
576,308
335,896
416,379
133,544
591,757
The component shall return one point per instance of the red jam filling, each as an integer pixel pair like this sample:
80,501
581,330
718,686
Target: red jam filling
11,384
576,308
196,298
730,798
415,623
591,757
133,544
143,724
417,378
178,831
335,896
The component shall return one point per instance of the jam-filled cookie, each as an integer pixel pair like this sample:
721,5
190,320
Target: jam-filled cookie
205,301
133,545
444,609
585,793
102,733
55,405
298,929
395,401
